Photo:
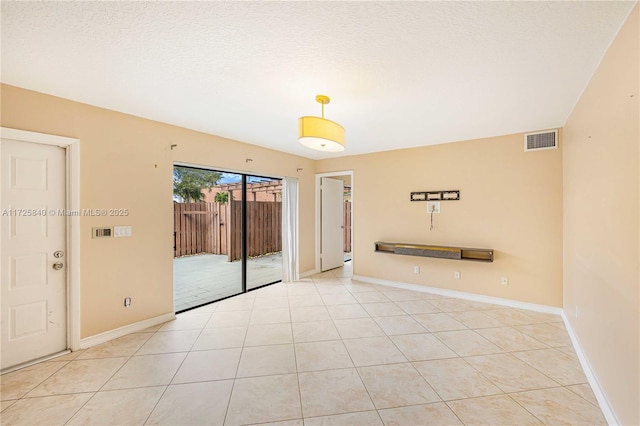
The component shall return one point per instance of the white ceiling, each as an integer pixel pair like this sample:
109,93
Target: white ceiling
400,74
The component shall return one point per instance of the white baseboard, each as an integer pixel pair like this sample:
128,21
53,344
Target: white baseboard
463,295
606,408
88,342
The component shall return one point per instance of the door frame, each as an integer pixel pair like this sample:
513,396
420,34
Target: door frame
319,177
72,169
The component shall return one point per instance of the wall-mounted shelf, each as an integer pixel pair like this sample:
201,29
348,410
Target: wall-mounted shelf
442,252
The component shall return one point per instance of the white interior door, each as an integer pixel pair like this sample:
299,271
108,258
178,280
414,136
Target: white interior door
331,226
33,259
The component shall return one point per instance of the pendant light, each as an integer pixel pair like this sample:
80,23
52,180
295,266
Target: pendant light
319,133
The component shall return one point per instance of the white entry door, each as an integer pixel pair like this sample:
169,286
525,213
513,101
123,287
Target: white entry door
33,251
331,214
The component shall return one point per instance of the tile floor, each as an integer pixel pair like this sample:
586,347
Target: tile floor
323,351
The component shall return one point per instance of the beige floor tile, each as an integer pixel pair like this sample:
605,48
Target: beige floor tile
48,410
264,399
584,390
360,287
358,327
306,300
124,346
235,304
119,407
547,333
193,404
545,317
6,404
267,360
373,351
509,373
229,319
560,406
316,356
332,392
467,342
492,410
509,339
270,316
422,347
475,319
220,338
269,334
309,313
362,418
271,302
453,305
164,342
275,290
439,322
435,414
68,357
187,321
511,316
561,367
146,370
347,311
153,328
401,324
301,289
384,309
417,307
210,308
202,366
454,378
297,422
18,383
86,375
402,295
371,297
331,287
396,385
314,331
338,299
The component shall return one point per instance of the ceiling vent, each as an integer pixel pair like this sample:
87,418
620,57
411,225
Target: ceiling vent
541,140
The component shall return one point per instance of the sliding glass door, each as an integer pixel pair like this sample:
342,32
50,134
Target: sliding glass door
227,234
264,231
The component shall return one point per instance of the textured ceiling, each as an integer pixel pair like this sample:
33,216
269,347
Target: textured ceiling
400,74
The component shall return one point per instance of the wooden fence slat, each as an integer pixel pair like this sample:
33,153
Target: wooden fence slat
215,228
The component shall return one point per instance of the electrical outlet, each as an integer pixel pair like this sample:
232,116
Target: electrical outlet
433,207
127,302
504,281
416,269
456,275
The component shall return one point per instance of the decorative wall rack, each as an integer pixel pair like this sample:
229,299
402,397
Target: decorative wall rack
442,252
435,195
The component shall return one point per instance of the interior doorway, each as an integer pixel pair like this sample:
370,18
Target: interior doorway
338,192
227,234
39,250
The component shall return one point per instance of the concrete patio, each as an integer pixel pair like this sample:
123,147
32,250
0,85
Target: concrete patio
204,278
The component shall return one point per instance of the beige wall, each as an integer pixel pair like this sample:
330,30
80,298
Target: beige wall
126,162
511,201
601,227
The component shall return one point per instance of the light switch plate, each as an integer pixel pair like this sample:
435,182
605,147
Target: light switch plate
122,231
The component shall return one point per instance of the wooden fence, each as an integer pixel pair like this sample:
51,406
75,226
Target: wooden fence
216,228
346,220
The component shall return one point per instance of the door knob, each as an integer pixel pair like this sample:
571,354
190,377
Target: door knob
57,266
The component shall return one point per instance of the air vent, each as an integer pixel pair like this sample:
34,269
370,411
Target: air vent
541,140
101,232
